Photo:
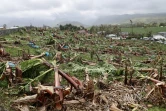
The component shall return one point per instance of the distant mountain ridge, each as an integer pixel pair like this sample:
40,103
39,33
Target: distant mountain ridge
110,19
120,19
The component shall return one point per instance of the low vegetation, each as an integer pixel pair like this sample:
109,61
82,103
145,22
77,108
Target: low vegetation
112,74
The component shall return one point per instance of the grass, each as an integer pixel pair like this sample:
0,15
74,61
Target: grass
157,109
6,99
13,50
141,30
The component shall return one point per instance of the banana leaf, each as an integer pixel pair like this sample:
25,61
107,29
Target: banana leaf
2,68
28,85
32,68
28,64
35,70
93,69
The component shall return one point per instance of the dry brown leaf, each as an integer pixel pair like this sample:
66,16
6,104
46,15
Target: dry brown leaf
48,89
71,102
114,108
20,107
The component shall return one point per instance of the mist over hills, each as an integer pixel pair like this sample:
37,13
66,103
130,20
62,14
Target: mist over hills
120,19
28,21
110,19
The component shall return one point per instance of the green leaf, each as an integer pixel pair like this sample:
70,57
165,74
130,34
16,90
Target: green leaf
35,79
25,65
2,68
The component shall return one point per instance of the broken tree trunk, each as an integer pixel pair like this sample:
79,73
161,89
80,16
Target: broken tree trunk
161,70
160,84
59,100
126,73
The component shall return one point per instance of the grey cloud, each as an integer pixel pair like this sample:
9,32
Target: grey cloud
84,5
85,11
42,4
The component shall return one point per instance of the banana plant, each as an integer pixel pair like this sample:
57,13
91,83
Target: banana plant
33,67
35,70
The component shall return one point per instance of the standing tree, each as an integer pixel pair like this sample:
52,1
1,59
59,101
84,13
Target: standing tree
131,26
116,30
4,26
92,29
162,24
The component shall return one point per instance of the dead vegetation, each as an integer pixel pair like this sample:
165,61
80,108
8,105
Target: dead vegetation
81,75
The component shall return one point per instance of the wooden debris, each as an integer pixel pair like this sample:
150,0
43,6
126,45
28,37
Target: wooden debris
26,99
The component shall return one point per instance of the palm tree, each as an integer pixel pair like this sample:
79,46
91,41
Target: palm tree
131,26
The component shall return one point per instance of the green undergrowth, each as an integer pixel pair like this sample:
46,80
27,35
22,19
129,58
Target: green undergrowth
156,109
142,30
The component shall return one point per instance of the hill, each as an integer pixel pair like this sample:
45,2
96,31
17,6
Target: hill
120,19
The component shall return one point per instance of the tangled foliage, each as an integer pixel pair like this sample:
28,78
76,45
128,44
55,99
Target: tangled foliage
69,27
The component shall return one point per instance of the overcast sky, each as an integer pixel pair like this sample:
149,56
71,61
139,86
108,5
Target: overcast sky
85,11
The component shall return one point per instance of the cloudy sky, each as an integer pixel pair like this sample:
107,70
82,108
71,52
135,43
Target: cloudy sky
21,12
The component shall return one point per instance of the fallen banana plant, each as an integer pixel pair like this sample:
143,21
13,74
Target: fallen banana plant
51,96
12,73
158,83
